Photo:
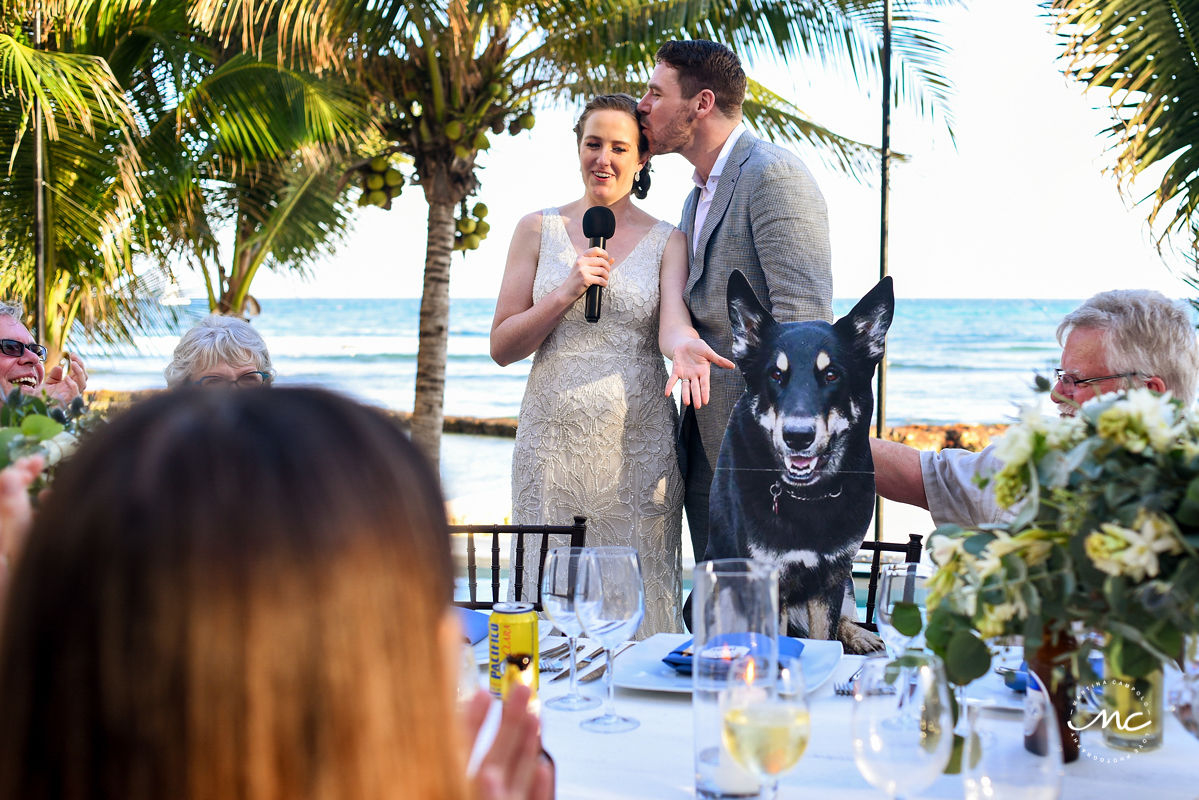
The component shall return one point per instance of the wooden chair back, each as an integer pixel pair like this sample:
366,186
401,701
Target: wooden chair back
911,552
578,538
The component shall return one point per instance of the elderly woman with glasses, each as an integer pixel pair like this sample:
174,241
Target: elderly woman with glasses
220,351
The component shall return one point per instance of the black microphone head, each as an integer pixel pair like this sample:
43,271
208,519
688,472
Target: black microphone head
599,223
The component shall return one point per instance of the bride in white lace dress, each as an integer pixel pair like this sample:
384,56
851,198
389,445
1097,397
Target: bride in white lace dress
597,426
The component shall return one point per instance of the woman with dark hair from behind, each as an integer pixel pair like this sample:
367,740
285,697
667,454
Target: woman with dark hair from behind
244,595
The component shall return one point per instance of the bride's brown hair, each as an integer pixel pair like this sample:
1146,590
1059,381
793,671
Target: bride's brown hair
627,104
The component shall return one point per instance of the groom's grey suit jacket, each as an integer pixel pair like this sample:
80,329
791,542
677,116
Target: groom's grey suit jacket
769,220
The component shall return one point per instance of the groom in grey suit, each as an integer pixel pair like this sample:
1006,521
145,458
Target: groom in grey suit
755,208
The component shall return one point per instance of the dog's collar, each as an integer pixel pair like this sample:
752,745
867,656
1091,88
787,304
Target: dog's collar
777,490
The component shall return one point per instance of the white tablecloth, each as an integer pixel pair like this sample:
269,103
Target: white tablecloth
656,760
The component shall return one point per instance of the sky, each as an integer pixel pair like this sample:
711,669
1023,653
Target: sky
1015,205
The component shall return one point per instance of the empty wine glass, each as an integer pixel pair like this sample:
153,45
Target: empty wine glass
901,723
999,766
766,725
610,602
901,584
1184,702
559,582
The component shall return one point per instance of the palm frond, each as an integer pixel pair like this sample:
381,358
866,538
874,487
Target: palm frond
1145,57
75,90
778,119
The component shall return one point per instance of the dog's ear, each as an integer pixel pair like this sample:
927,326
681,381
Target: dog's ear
748,318
868,322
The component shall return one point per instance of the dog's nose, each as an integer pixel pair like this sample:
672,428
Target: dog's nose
798,436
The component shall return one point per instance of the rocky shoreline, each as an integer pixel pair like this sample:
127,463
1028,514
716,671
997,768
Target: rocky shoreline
970,436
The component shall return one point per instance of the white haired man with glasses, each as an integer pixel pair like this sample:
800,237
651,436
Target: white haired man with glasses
22,362
1115,340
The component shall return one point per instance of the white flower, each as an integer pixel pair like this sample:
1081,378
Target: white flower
1155,415
1016,445
994,619
1065,432
1133,552
942,549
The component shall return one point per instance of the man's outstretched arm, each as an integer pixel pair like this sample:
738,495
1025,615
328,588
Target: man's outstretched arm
897,473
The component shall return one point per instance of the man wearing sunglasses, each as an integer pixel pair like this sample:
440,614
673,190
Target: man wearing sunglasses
22,362
1116,340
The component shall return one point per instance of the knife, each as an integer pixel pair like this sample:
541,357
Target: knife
602,668
583,662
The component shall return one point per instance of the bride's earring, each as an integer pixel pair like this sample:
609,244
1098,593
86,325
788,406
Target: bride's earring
637,177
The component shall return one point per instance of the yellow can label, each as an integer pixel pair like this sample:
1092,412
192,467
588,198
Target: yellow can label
512,647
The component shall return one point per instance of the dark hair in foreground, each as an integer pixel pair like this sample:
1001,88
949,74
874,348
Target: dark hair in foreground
233,594
627,104
707,65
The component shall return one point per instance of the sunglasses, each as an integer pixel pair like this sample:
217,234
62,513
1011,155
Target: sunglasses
13,348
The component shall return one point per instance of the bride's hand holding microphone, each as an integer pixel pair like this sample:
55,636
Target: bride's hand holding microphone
592,268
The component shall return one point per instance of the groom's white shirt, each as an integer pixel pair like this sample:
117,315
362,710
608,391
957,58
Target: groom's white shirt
708,188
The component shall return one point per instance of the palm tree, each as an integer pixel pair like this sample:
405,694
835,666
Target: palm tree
254,145
158,133
1145,55
447,75
91,168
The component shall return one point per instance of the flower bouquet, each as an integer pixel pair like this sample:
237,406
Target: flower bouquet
1103,540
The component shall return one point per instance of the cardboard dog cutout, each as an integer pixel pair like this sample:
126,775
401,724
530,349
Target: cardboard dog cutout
794,483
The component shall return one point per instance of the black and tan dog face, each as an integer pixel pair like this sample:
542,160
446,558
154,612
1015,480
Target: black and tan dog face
809,382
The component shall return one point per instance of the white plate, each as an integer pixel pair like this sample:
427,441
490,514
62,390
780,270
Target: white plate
641,667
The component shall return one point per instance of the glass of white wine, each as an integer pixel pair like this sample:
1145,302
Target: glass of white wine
766,725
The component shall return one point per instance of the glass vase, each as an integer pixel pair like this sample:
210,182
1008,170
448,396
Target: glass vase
1134,716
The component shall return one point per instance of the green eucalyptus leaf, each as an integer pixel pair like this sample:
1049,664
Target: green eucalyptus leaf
905,618
1129,658
39,427
966,658
974,545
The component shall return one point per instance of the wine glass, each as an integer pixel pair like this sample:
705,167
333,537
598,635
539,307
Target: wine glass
610,602
766,725
901,723
901,583
559,581
999,766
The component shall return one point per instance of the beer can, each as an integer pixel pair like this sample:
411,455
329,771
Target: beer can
512,646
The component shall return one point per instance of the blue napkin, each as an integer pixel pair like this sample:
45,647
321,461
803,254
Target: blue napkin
474,624
680,657
1017,680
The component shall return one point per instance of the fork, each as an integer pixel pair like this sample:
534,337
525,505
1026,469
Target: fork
598,672
845,688
580,663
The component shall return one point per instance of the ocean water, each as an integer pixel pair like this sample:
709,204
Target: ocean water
948,361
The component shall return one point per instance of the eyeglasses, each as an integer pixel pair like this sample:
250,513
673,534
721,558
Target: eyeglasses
243,381
1070,383
13,348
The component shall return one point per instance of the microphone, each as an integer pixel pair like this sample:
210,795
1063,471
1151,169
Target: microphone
599,223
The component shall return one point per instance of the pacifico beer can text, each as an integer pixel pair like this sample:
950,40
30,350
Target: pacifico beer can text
512,647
